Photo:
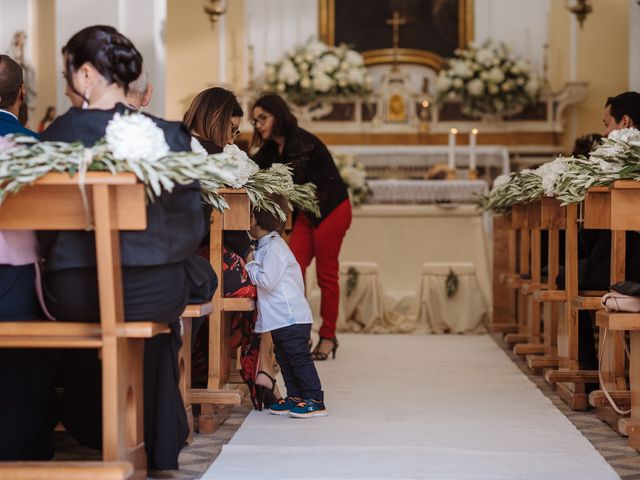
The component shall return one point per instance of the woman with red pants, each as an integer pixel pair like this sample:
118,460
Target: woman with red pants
278,139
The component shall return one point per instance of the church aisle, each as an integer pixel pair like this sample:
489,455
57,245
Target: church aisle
427,407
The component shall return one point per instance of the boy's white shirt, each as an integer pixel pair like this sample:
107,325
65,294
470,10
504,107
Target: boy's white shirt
278,278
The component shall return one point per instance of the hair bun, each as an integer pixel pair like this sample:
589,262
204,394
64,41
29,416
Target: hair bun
125,60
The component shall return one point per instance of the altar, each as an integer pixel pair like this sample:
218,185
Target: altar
387,246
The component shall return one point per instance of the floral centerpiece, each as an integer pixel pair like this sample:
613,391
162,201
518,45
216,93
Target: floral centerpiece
569,178
134,143
315,70
487,80
354,177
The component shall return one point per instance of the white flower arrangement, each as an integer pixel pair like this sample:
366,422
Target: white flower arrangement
315,70
353,175
569,178
487,80
134,143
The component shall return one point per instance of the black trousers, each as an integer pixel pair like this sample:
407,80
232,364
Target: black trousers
27,415
291,347
150,293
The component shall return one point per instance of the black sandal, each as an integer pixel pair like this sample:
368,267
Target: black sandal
316,354
265,396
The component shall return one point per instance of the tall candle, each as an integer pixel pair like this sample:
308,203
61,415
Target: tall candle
473,136
452,148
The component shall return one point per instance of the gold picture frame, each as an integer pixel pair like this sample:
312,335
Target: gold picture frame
403,55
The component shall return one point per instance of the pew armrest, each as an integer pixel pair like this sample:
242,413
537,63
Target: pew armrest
197,310
618,320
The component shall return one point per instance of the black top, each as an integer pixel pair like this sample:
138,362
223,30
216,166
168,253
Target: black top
311,162
175,223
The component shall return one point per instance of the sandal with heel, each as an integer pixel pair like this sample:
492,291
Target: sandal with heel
265,396
316,354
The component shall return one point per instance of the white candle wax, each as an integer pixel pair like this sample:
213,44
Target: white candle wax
452,148
473,136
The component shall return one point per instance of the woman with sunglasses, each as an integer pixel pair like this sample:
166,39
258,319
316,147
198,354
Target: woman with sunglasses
278,139
213,118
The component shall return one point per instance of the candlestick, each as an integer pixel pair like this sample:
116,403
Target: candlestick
452,149
473,136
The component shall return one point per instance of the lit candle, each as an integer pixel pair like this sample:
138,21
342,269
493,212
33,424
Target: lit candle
473,136
452,149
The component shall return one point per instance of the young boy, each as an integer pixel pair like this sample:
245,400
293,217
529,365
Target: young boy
283,310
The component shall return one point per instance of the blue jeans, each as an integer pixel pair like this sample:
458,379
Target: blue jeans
291,347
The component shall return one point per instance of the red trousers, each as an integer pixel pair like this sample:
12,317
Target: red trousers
323,242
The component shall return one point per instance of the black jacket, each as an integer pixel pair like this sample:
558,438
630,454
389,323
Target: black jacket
311,162
175,223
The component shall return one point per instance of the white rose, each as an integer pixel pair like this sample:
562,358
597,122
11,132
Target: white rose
354,58
356,76
485,56
316,48
496,75
458,83
475,87
305,82
242,166
461,69
322,82
507,86
523,66
281,87
493,88
329,62
627,135
532,87
443,83
135,137
288,73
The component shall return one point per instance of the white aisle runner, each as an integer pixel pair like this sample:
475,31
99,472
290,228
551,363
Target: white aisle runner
416,407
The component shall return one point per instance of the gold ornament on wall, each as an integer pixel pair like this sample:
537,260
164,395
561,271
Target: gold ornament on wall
215,9
580,8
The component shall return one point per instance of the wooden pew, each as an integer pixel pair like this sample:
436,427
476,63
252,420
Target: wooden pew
184,357
533,344
504,266
552,219
216,399
569,379
616,208
520,222
117,202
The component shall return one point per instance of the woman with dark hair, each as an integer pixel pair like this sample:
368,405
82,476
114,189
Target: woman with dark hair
99,65
213,118
278,139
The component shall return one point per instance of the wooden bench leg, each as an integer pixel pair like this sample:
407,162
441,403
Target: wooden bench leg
184,359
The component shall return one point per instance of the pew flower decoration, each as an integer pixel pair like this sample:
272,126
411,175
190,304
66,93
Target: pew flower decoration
134,143
487,80
569,178
315,70
354,177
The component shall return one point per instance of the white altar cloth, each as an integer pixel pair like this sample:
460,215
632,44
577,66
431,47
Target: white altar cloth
399,240
424,156
425,191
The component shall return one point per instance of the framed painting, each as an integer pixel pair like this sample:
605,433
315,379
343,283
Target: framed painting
422,31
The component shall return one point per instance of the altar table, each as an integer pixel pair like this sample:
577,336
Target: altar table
400,239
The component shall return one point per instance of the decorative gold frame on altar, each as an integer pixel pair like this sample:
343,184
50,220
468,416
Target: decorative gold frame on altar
404,55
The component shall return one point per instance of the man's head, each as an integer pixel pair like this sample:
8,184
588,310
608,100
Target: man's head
140,91
12,90
621,111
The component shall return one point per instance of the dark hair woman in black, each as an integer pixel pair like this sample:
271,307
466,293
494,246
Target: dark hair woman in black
278,139
99,64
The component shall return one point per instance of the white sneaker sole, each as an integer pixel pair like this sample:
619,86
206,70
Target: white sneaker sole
279,413
320,413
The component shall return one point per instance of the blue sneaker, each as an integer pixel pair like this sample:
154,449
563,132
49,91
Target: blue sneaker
282,406
308,409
